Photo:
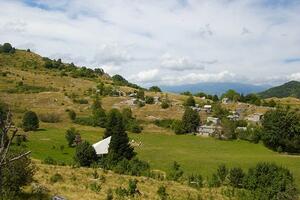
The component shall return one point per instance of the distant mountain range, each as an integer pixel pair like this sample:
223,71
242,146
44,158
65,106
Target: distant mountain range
216,88
289,89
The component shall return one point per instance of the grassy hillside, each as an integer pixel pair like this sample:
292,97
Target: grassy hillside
290,89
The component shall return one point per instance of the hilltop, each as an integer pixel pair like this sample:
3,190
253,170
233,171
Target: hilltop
289,89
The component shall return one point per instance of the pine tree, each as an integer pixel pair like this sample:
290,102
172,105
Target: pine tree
119,147
190,120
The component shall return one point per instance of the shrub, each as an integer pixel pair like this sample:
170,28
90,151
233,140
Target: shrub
49,161
72,114
121,192
87,121
164,123
190,120
109,194
6,48
222,172
236,176
214,181
95,187
175,173
56,178
165,104
134,167
71,136
30,121
134,127
154,89
149,100
195,181
85,154
162,192
269,181
190,101
132,187
50,117
81,101
178,127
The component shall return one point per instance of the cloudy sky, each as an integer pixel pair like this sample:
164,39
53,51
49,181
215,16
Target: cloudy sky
163,42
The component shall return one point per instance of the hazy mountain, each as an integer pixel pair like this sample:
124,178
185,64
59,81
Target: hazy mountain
216,88
289,89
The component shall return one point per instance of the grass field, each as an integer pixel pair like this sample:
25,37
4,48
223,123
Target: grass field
195,154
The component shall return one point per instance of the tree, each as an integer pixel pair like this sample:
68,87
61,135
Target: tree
149,100
269,181
165,104
71,136
98,113
7,48
85,154
140,94
154,89
190,101
178,128
232,95
190,120
15,168
119,147
281,130
30,121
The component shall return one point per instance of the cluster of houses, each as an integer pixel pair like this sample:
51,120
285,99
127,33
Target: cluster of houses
205,108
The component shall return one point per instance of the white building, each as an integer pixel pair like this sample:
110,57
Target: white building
207,108
225,100
206,130
102,146
255,118
213,120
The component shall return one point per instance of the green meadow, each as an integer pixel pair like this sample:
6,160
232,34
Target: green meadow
194,154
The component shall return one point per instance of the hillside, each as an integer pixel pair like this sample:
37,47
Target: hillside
289,89
216,88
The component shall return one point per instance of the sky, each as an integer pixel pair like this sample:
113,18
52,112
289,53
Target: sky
163,42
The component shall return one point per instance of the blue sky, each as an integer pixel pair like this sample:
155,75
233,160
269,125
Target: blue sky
169,42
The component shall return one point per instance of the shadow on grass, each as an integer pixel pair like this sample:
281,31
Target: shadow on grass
30,196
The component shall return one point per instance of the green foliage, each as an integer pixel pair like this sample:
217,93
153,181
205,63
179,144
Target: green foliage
49,161
56,178
165,104
154,89
95,187
72,114
232,95
85,154
16,174
132,187
222,173
23,88
228,130
269,181
164,123
109,194
6,48
30,121
149,100
133,167
190,101
178,127
251,98
87,121
281,128
290,89
162,193
175,173
195,181
119,80
49,117
219,111
119,147
190,120
236,176
214,181
140,94
71,135
186,93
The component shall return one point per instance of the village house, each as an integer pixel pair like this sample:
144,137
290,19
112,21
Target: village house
206,130
213,120
156,99
234,116
207,108
102,146
255,118
226,100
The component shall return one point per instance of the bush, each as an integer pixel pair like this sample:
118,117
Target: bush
81,101
132,187
164,123
109,194
222,173
269,181
56,178
30,121
50,117
236,176
195,181
214,181
6,48
71,136
154,89
134,127
121,192
85,154
165,104
87,121
190,120
134,167
162,192
178,127
190,101
175,173
149,100
95,187
49,161
72,114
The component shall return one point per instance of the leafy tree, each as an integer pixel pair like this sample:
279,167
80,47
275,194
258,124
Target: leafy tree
228,130
154,89
281,130
30,121
187,93
119,147
175,173
190,120
215,98
85,154
98,113
236,176
190,101
232,95
71,136
269,181
219,111
7,48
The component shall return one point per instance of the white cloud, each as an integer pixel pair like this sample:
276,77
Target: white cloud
294,77
179,63
242,38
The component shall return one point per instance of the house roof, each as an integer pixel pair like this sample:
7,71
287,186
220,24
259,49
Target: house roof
102,146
